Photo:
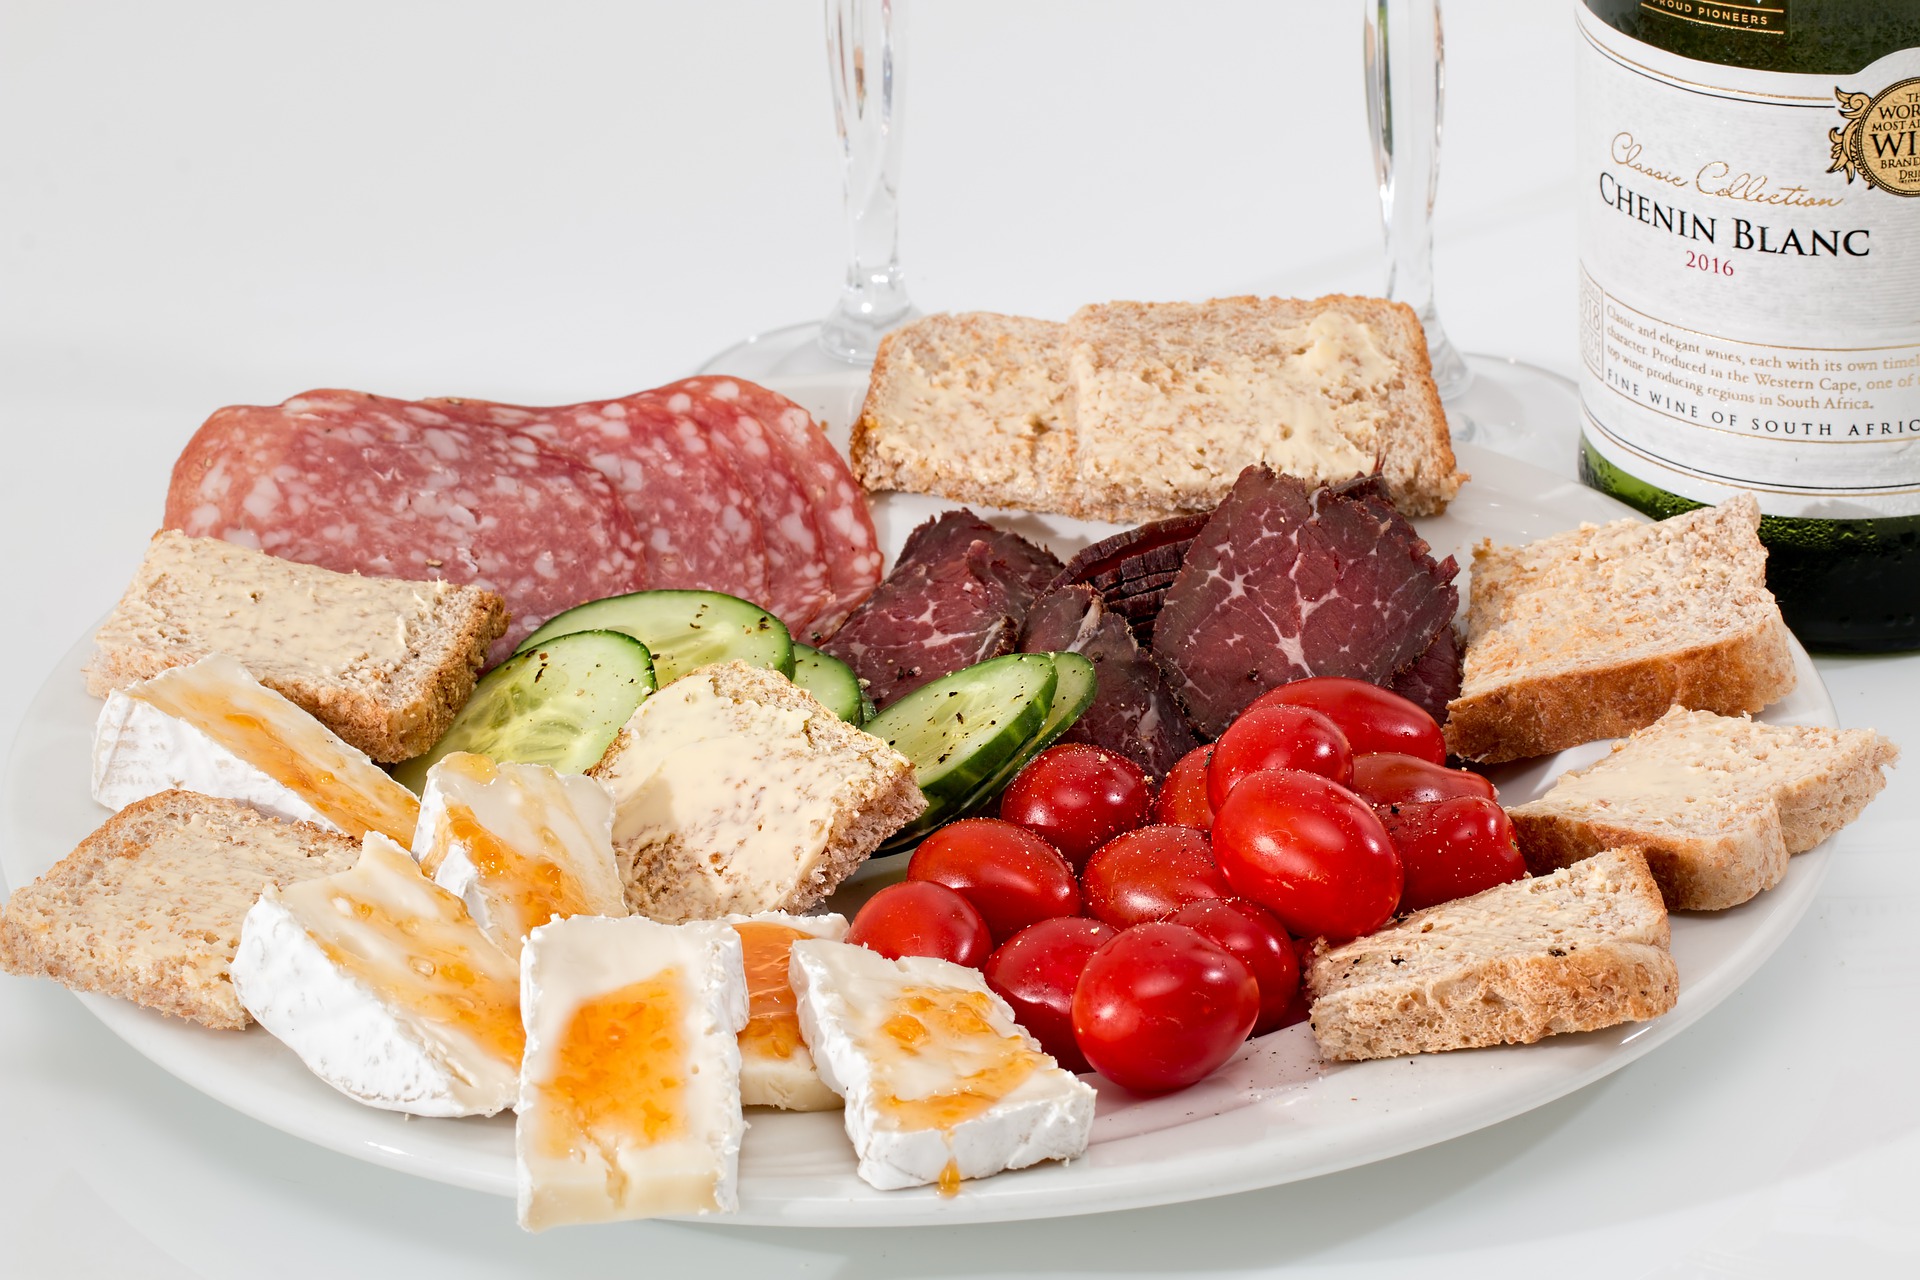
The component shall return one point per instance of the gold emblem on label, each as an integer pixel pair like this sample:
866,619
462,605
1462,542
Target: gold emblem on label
1880,142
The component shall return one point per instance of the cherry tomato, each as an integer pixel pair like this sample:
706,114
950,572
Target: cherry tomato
920,918
1277,737
1250,932
1036,971
1159,1007
1010,875
1388,777
1144,874
1372,718
1310,851
1452,849
1077,797
1182,798
1301,1006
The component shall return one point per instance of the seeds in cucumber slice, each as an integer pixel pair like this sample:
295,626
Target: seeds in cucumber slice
959,729
559,704
1073,693
683,629
832,681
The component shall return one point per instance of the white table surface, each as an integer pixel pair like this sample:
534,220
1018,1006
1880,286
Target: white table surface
211,203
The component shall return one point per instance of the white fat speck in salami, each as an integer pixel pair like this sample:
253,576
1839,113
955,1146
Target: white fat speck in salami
799,584
840,508
361,483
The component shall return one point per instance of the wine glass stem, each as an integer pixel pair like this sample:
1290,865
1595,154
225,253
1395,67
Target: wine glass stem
1406,83
866,53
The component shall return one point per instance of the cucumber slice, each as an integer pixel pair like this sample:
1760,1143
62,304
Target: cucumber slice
961,728
832,681
683,629
558,705
1076,684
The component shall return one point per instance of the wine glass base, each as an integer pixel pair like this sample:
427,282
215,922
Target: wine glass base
792,351
1519,410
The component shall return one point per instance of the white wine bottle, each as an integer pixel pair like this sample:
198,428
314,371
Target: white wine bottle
1749,223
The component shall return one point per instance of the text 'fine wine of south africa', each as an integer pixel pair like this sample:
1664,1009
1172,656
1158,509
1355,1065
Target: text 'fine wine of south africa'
1750,285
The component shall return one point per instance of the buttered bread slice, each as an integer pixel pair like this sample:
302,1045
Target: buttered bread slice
737,792
382,662
1717,803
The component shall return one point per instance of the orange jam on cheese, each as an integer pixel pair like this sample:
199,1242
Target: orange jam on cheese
773,1026
947,1035
620,1069
303,757
426,964
534,888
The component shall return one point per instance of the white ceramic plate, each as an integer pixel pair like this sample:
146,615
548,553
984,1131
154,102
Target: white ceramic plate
1273,1115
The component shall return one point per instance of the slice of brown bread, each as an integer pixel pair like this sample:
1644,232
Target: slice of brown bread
1135,411
975,407
736,791
1595,632
148,907
1577,950
1717,803
383,662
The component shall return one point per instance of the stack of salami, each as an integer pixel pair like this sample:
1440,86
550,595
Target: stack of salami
1185,620
711,483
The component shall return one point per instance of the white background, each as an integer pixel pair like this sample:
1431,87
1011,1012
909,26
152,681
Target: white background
211,203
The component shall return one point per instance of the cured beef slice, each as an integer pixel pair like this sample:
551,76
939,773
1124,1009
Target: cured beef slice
364,484
1433,679
957,597
1285,582
1152,549
1134,713
839,503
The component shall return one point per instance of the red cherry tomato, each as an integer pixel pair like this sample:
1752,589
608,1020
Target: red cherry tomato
1144,874
920,918
1301,1006
1250,932
1388,777
1277,737
1310,851
1077,797
1010,875
1182,798
1159,1007
1452,849
1036,971
1372,718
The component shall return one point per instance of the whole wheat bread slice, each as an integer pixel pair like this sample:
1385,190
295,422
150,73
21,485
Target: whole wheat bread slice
383,662
1595,632
1135,411
1717,803
148,907
1581,949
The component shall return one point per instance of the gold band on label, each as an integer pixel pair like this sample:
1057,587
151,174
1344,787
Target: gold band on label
1761,17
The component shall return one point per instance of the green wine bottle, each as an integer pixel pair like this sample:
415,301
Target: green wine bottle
1749,230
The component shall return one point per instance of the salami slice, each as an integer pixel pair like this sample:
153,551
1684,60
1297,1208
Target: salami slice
839,503
799,582
362,483
693,511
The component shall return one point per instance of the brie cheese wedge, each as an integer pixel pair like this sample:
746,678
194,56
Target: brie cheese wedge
775,1068
212,728
630,1090
385,987
939,1080
519,843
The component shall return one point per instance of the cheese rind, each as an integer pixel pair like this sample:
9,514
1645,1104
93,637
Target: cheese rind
368,976
776,1069
519,843
939,1079
210,727
646,1124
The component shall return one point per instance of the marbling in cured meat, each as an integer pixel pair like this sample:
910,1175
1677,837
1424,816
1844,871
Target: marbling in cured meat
1133,711
1285,582
361,483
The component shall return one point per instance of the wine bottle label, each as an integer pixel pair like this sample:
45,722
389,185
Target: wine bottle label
1750,276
